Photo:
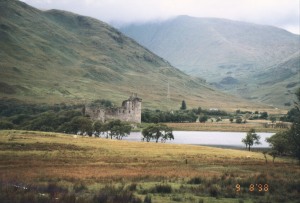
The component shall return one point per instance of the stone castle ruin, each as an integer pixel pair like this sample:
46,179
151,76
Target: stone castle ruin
130,111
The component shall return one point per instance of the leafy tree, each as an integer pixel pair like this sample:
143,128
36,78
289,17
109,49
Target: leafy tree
79,123
102,102
294,133
203,119
156,132
279,142
289,141
121,130
5,125
219,119
117,129
45,122
273,119
264,115
183,105
251,139
98,127
238,120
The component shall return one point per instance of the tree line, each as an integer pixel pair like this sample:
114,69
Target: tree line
70,119
181,115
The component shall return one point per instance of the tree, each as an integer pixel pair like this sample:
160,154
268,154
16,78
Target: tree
274,154
265,155
264,115
120,131
98,127
6,125
183,105
273,119
289,141
279,142
294,132
251,139
238,120
156,132
203,119
82,124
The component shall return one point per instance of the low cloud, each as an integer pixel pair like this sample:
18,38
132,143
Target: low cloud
280,13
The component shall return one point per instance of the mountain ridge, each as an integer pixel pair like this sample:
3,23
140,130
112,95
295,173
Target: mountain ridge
216,49
57,56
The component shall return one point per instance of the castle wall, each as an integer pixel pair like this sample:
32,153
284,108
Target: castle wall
130,111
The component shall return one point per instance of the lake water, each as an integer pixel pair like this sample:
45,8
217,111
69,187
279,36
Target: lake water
230,139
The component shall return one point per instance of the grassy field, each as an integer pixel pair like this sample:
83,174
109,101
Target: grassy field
225,126
67,168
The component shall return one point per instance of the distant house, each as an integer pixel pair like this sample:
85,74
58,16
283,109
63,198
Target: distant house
130,111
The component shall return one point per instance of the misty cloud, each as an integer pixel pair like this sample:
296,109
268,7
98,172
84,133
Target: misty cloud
280,13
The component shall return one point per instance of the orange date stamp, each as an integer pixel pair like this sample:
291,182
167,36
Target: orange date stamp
254,187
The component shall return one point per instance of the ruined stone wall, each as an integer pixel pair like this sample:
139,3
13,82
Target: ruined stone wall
130,111
95,113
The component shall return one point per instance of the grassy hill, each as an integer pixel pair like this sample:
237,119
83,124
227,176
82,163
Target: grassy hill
57,56
228,54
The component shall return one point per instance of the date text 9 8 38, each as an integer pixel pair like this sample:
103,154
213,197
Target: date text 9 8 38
254,187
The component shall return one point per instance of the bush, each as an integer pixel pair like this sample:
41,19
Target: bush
5,125
162,189
239,120
79,187
203,119
196,180
214,190
132,187
115,195
147,199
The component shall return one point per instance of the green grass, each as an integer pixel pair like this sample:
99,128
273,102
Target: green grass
86,167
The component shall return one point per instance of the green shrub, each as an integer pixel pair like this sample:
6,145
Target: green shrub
196,181
132,187
162,188
79,187
115,195
148,199
5,125
201,200
214,190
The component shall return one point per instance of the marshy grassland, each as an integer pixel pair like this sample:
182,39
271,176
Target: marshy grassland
53,167
225,126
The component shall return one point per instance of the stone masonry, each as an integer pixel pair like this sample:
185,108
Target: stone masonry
130,111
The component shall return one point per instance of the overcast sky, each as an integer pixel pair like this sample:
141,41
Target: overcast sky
279,13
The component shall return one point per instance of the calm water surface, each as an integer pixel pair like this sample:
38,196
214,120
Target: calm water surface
207,138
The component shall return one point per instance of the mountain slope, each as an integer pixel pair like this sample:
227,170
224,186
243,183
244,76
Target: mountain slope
56,56
283,77
228,54
208,46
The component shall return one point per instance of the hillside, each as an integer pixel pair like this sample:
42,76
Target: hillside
283,77
56,56
228,54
